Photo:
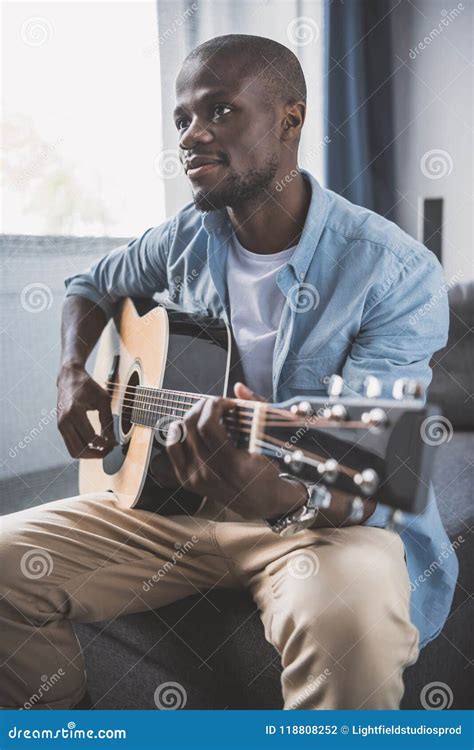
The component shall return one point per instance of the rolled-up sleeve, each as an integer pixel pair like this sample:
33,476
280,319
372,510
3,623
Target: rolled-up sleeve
405,323
137,269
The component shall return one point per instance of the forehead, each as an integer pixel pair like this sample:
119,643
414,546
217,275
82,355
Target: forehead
198,82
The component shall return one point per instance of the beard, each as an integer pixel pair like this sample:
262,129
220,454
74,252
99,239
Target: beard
236,189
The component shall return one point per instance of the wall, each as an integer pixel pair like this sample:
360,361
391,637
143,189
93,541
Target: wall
33,270
433,45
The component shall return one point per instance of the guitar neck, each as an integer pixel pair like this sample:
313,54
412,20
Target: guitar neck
158,407
150,405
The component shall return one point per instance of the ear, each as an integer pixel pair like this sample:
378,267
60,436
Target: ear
293,121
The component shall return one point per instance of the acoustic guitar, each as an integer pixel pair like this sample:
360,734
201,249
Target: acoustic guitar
156,363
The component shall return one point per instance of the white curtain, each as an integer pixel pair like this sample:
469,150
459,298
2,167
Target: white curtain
183,24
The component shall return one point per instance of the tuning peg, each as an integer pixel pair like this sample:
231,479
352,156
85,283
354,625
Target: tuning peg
372,387
374,418
335,386
357,510
407,388
367,481
329,470
338,412
303,409
395,520
294,460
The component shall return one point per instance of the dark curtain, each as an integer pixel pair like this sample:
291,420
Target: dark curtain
359,103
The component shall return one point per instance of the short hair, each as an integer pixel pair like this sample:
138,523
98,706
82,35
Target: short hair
272,62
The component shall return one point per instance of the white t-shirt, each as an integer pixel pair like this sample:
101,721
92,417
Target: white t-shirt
256,305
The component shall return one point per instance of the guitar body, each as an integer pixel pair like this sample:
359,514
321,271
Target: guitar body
147,345
156,363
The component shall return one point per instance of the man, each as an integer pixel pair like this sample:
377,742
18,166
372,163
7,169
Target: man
311,285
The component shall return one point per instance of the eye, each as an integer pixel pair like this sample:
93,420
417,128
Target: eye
220,110
181,123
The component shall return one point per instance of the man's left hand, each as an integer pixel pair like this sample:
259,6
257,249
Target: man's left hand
206,462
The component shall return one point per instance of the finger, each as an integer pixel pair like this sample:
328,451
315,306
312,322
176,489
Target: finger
107,422
177,453
75,445
242,391
211,428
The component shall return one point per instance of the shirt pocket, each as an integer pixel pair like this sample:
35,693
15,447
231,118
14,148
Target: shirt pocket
313,374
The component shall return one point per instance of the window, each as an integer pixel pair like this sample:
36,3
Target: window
81,118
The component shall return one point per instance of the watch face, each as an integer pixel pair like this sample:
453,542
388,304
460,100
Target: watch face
298,521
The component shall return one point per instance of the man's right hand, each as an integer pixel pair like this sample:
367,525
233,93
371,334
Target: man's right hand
78,393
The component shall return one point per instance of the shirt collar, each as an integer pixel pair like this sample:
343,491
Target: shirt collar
216,221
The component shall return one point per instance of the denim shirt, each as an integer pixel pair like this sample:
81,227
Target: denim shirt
357,290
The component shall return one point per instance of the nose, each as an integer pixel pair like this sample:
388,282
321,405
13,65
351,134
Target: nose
194,134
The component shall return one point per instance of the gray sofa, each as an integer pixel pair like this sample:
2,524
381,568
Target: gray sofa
214,646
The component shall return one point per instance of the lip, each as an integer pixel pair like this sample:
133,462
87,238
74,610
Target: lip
202,169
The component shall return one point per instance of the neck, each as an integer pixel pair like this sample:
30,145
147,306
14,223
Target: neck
274,221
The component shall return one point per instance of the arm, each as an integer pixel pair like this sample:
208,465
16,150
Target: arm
402,327
82,324
136,269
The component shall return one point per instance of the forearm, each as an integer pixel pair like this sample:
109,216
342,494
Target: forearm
82,323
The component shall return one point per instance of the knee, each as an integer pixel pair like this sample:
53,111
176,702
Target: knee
25,563
356,596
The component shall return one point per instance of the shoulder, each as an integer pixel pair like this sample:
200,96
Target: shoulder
372,238
183,226
186,223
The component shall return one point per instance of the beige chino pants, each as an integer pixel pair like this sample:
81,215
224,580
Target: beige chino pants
333,602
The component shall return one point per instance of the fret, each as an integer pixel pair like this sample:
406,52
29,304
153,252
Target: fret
149,405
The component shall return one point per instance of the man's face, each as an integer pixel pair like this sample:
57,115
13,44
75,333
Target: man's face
227,135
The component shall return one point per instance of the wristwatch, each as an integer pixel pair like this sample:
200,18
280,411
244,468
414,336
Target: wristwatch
318,497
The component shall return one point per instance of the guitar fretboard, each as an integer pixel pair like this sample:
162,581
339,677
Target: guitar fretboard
154,406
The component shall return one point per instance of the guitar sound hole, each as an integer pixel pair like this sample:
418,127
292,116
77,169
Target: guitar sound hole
128,402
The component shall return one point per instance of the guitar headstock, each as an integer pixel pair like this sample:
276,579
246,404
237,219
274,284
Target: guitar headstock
368,447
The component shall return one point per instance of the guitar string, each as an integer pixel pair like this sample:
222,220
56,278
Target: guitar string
343,469
150,397
168,401
233,421
143,403
176,413
244,413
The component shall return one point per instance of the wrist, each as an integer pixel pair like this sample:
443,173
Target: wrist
72,365
68,369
